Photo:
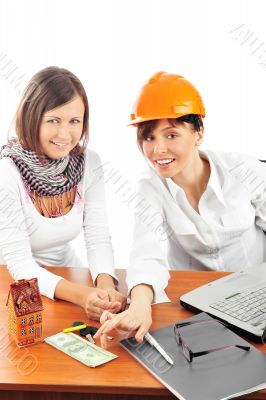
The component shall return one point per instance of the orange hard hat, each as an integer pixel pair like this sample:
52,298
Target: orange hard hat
166,96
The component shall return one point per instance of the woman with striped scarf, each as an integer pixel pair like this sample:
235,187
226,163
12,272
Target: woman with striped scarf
51,187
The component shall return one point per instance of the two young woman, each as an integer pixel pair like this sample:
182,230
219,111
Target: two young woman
212,206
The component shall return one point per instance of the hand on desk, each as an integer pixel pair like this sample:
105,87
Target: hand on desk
136,320
114,295
96,301
108,283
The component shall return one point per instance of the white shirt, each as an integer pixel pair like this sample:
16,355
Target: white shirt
29,240
226,234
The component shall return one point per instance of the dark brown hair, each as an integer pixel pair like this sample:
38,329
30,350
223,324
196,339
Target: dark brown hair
49,88
145,128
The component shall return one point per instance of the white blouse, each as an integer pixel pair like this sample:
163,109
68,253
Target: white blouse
29,240
226,235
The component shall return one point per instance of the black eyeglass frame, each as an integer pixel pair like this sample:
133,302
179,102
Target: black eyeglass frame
186,348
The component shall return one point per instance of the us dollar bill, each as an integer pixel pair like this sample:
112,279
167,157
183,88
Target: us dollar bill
80,349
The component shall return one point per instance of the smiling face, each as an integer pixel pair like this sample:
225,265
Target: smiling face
172,149
61,129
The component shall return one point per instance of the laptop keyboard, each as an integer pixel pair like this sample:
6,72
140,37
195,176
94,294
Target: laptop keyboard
247,306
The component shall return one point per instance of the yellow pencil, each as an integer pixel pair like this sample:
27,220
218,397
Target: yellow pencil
74,328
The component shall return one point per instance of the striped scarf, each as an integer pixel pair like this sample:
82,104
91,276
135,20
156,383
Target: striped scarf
45,176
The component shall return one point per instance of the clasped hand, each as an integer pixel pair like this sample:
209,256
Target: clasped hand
96,301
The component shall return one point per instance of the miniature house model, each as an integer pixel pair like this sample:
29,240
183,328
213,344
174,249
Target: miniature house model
24,306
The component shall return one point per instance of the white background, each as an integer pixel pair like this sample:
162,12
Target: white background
114,46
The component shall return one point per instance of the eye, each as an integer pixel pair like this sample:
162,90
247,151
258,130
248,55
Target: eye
171,136
75,121
52,121
148,138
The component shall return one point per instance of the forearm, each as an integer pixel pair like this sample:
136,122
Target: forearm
142,294
69,291
104,281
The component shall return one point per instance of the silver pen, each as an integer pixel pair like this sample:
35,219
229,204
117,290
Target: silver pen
153,342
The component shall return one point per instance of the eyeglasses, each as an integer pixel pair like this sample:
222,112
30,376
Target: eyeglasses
188,353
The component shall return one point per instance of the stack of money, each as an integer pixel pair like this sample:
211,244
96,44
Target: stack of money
80,349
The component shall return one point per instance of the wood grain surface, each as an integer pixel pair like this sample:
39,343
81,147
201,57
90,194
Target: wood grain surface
42,372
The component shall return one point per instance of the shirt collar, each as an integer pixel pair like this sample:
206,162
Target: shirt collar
214,181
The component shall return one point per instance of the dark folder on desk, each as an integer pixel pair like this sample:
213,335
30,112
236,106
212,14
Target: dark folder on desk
220,375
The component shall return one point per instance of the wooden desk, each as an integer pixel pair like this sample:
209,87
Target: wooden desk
43,372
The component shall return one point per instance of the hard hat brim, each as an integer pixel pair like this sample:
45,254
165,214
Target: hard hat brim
138,120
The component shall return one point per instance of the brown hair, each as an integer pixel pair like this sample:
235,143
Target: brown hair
49,88
144,129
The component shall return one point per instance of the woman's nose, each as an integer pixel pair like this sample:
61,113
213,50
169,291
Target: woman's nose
160,146
63,132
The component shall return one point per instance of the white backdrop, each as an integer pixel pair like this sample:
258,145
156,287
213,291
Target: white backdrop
113,46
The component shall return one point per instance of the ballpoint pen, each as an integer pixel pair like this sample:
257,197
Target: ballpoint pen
153,342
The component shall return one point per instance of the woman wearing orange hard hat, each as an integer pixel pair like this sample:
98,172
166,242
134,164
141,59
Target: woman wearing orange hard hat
210,207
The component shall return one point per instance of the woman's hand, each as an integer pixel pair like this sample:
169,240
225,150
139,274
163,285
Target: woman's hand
114,295
136,320
106,282
96,301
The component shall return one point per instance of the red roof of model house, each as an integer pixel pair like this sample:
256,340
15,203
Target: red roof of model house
26,296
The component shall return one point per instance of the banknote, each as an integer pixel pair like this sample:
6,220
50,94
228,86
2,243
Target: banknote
80,349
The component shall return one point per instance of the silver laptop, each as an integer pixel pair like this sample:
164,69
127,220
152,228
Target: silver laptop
238,298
